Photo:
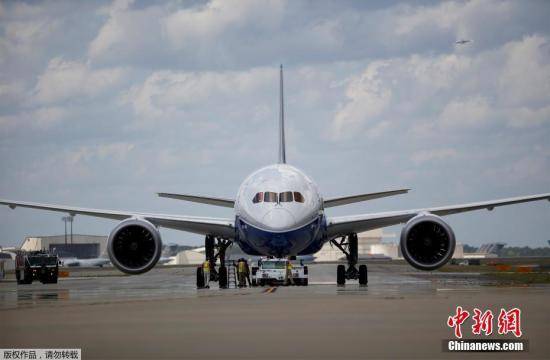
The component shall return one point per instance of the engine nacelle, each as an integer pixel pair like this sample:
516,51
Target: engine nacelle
427,242
134,246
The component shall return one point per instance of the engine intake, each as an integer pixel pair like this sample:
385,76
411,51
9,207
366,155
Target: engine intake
427,242
134,246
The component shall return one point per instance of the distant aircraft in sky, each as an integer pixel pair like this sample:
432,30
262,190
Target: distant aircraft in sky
463,42
279,211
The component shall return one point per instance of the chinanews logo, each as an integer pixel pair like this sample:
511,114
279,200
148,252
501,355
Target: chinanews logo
481,323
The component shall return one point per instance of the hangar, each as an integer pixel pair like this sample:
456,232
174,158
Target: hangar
79,246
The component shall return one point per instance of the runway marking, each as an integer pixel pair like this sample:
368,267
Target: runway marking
458,289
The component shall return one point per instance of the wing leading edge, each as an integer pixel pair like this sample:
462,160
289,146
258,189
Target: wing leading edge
200,199
198,225
362,197
343,225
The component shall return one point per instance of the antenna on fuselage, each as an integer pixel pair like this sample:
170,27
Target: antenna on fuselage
282,150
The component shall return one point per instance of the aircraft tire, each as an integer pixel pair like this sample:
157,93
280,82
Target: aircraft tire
363,275
200,278
341,275
222,274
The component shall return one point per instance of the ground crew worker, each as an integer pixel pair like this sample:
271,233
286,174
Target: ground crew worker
206,273
241,271
289,278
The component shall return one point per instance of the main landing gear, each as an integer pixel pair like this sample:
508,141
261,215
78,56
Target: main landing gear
214,248
348,245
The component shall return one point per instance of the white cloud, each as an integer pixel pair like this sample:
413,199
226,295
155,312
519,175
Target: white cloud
24,28
423,156
470,112
464,19
367,97
164,93
65,80
525,77
40,119
428,95
11,91
526,117
118,151
115,31
204,23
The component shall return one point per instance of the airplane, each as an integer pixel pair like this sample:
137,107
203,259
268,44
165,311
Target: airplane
279,211
463,42
75,262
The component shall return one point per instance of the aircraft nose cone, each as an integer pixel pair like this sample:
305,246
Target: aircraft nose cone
279,219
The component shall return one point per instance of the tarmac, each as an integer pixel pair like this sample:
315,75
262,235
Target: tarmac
402,313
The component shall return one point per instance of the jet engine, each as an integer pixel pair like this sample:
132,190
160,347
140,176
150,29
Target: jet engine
134,246
427,242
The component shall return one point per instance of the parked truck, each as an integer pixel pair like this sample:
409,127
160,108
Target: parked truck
274,272
36,265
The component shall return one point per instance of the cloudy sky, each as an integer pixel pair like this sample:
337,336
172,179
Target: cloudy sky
102,104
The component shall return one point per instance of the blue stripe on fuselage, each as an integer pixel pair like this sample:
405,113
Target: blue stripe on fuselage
254,241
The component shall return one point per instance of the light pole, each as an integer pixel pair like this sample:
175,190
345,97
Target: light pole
68,219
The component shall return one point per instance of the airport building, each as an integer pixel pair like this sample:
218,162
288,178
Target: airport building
189,257
79,246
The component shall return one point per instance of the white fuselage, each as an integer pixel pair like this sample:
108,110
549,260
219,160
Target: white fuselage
277,201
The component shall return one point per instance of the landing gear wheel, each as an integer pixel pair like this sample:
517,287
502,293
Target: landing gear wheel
363,275
222,277
200,278
341,275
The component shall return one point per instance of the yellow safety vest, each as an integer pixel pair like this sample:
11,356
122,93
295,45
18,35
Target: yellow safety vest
206,266
242,266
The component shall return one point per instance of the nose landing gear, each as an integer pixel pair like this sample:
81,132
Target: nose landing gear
349,246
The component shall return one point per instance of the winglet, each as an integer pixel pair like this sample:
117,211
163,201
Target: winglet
282,150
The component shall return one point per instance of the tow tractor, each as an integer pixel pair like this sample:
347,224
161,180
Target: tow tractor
36,265
273,272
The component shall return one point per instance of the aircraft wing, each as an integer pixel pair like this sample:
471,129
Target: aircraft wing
362,197
343,225
200,199
199,225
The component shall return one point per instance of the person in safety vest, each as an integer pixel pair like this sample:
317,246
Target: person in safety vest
289,278
241,272
206,273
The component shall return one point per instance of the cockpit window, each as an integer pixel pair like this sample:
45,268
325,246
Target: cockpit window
259,197
270,196
285,196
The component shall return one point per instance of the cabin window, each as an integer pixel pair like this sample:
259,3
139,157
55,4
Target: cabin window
270,197
298,197
285,196
259,197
